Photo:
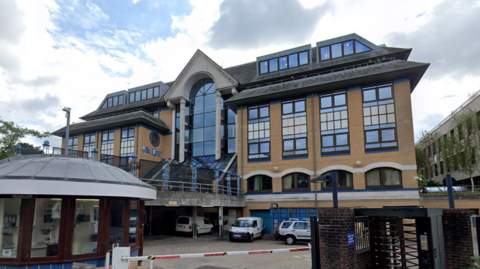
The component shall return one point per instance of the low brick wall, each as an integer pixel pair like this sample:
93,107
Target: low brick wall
363,260
335,224
457,237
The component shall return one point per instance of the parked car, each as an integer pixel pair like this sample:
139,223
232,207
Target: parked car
184,225
293,230
247,228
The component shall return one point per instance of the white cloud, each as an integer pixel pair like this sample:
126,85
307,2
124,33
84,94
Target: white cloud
81,70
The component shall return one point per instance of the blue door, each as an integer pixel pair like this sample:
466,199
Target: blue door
265,215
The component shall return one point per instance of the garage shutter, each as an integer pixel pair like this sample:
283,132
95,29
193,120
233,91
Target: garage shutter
265,215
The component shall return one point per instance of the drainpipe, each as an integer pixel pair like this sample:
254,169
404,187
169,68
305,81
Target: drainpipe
241,142
314,154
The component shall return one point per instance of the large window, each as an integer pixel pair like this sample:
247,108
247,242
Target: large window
46,228
334,123
260,183
344,180
342,49
116,230
127,142
145,94
203,118
72,145
113,101
107,147
228,130
89,143
379,118
258,132
294,128
296,182
9,227
133,229
85,231
284,62
384,178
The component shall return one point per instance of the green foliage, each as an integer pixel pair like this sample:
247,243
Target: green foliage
475,263
10,135
428,183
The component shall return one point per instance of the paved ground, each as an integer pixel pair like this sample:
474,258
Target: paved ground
210,243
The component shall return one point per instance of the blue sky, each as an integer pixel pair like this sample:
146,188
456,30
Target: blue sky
57,53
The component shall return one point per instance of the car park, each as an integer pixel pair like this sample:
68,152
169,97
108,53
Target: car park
247,228
294,230
185,223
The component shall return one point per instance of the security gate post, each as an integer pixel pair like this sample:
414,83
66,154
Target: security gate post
120,257
315,243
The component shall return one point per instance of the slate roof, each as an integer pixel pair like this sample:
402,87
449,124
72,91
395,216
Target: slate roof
341,79
115,121
146,104
65,168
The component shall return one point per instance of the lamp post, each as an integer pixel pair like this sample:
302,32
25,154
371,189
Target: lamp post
333,177
67,129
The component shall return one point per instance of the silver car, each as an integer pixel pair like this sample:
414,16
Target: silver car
293,230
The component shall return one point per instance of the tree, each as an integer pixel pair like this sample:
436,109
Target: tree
10,135
425,152
465,145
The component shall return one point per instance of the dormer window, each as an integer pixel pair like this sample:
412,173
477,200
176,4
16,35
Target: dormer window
284,62
145,94
342,49
113,101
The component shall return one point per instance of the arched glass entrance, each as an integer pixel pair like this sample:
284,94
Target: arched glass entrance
202,117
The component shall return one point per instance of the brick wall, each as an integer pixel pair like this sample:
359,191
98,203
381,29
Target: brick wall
363,260
458,237
334,225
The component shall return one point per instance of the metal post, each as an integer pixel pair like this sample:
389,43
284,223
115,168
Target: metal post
315,243
451,203
67,129
334,190
194,224
229,183
220,222
107,261
194,178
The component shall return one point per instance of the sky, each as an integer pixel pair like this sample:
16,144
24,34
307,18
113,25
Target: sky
71,53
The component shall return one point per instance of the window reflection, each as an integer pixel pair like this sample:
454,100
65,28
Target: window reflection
337,50
85,231
9,226
46,227
116,226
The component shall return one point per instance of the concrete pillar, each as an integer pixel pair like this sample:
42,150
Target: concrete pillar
181,156
194,224
220,222
174,133
218,125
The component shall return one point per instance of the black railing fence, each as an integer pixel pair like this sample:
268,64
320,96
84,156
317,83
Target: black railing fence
362,233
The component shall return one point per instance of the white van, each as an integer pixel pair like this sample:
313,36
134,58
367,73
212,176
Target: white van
185,223
247,228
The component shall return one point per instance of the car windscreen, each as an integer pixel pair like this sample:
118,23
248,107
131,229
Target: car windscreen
182,221
243,223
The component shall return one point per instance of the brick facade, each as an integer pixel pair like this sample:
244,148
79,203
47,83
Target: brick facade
334,226
363,260
457,237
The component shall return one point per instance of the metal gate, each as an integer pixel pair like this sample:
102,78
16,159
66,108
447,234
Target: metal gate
393,242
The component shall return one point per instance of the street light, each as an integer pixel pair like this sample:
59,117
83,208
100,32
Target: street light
326,177
67,129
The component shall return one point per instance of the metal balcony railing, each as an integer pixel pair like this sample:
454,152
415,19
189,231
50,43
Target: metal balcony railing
182,186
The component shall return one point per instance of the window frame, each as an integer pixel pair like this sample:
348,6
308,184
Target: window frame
295,183
259,191
334,131
382,179
288,62
380,129
258,119
324,187
342,49
294,139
